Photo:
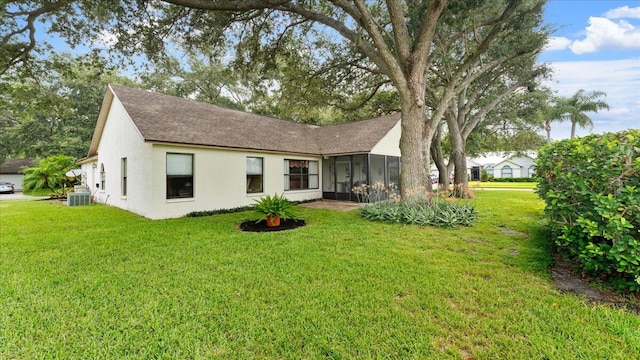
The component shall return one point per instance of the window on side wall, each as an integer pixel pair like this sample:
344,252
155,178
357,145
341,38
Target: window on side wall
124,176
255,172
103,177
300,174
179,176
507,172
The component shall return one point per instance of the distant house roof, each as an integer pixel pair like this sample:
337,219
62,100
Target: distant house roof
15,166
168,119
521,161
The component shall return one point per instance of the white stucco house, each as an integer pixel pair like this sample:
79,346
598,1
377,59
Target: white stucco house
162,157
499,165
11,171
514,167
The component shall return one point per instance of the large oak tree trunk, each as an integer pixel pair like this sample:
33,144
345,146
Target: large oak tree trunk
413,169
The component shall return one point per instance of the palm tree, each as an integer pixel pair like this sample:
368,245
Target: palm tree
574,108
50,173
555,113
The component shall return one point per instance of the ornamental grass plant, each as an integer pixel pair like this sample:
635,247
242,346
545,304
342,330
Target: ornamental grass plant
427,208
275,206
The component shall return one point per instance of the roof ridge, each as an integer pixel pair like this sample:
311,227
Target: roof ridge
202,103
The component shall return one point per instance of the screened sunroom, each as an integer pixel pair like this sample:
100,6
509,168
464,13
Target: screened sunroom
341,175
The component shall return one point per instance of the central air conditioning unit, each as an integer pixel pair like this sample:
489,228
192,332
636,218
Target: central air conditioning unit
78,199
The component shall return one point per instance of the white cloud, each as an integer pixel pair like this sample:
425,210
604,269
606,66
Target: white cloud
619,111
106,39
557,43
623,12
605,34
619,79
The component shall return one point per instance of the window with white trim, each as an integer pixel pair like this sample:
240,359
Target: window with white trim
506,171
103,177
179,176
255,172
300,174
123,163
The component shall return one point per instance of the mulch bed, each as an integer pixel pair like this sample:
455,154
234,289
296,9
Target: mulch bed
261,226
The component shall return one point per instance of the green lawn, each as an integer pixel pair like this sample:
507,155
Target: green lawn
502,185
99,282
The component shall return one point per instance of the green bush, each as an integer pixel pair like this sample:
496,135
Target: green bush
435,212
484,177
591,188
521,179
219,211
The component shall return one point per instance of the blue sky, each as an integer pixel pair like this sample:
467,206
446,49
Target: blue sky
596,47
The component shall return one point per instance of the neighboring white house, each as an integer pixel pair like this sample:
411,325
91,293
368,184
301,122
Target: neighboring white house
11,171
162,157
515,167
498,165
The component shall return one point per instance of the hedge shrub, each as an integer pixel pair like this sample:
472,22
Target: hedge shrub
591,188
512,180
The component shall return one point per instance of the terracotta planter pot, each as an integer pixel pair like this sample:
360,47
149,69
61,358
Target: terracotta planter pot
273,221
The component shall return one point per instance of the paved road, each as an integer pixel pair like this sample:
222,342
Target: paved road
19,196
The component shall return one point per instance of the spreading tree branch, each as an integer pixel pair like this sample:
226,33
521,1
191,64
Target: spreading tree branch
17,52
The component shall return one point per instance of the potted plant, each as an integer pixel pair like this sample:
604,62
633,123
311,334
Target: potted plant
275,208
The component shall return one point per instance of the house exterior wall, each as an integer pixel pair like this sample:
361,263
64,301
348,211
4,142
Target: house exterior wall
219,180
120,139
526,163
15,179
520,167
89,176
516,170
390,143
219,174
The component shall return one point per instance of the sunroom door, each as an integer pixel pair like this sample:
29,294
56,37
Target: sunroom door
343,177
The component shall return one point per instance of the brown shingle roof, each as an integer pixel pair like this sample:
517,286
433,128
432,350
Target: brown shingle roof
354,137
14,166
169,119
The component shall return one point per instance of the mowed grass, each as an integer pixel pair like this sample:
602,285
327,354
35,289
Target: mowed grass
39,192
501,185
99,282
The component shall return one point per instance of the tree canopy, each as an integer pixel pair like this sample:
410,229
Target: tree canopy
55,112
417,57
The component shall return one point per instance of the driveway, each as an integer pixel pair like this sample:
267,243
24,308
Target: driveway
19,196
